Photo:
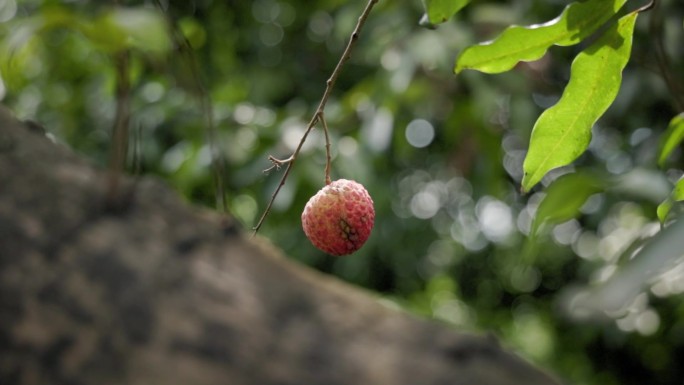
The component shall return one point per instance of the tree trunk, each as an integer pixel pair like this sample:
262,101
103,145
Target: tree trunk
157,292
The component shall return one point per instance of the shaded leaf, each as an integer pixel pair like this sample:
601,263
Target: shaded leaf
562,132
21,44
564,198
439,11
529,43
672,138
616,293
677,196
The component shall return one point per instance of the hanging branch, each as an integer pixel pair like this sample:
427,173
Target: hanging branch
217,160
317,116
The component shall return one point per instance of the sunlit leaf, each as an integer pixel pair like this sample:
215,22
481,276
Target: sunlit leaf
664,209
678,192
117,29
562,132
672,138
439,11
104,34
564,198
146,29
17,53
121,28
529,43
677,196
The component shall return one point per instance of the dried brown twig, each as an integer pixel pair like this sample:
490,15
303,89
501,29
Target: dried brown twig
317,116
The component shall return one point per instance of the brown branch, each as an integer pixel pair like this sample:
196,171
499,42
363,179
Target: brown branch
328,158
119,150
329,84
137,151
277,163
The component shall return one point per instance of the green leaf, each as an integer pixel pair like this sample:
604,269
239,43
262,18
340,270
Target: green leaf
678,192
122,28
564,198
117,29
439,11
145,29
677,196
659,254
562,132
664,209
517,43
20,46
672,138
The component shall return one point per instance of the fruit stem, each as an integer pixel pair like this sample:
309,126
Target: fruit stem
329,84
328,158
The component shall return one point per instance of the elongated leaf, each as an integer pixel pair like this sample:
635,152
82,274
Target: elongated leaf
677,196
660,253
564,198
516,43
678,192
672,138
439,11
563,132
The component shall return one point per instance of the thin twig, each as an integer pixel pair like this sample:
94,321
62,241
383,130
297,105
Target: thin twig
276,163
328,158
137,151
329,84
656,31
217,159
119,151
646,7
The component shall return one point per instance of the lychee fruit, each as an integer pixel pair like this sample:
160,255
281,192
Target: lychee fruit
339,218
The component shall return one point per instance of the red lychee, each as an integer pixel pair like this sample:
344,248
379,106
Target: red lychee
339,218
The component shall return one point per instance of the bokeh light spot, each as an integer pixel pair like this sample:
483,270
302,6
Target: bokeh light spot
424,205
152,92
347,146
496,219
420,133
271,34
8,8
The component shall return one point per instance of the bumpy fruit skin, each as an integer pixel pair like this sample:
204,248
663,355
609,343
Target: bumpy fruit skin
339,218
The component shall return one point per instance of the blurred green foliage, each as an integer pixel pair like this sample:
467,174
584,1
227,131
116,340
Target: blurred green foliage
440,154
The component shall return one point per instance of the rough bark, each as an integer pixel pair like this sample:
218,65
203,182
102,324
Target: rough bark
158,292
